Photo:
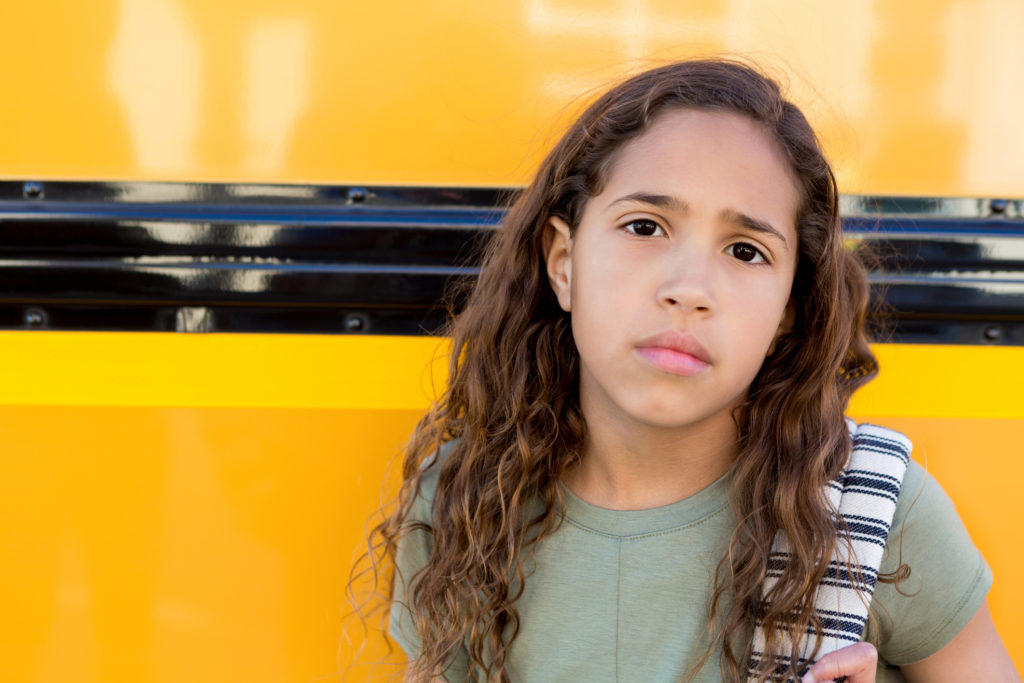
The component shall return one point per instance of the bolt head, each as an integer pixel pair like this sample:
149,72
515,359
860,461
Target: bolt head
992,333
35,317
32,190
355,323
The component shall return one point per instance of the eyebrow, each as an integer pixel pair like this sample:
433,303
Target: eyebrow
754,224
662,201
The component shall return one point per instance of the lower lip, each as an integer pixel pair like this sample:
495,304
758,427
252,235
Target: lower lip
672,361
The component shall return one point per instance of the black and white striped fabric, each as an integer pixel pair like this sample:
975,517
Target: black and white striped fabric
865,495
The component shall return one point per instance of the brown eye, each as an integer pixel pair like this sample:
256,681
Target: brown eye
747,253
643,227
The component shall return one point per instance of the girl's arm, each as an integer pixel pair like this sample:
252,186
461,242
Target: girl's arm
974,654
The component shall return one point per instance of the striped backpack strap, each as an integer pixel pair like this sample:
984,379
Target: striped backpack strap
865,494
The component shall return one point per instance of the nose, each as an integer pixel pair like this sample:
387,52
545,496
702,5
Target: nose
687,281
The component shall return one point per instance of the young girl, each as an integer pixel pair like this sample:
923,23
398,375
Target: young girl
628,477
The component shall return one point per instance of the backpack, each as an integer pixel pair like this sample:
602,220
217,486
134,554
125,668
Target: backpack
864,494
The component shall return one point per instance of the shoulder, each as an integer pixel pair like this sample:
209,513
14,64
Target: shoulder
922,495
948,577
430,471
413,553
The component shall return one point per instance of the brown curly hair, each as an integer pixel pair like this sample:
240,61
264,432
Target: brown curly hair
512,402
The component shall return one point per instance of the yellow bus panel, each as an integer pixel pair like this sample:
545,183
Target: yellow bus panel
916,97
188,507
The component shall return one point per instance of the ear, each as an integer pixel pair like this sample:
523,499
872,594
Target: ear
558,257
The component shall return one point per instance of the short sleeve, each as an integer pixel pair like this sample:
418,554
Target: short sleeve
948,576
412,555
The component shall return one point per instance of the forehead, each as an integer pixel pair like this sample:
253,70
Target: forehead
713,156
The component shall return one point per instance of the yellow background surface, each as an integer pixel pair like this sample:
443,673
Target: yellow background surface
911,97
187,507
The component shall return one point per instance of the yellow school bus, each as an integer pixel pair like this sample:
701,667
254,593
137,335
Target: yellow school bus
226,227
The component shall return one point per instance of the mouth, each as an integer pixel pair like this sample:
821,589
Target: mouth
674,352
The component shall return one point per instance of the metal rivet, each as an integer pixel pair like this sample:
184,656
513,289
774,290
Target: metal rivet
992,333
32,190
35,317
356,195
355,323
998,206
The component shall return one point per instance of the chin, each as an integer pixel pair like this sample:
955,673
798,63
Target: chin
673,420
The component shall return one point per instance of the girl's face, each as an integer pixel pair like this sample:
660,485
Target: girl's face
679,274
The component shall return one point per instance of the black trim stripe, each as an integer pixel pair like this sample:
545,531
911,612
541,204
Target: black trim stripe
345,259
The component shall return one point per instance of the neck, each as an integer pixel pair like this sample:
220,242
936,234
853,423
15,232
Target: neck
637,467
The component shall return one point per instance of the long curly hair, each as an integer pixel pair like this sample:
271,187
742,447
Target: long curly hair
512,406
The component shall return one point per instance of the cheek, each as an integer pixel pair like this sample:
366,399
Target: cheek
603,282
761,310
604,304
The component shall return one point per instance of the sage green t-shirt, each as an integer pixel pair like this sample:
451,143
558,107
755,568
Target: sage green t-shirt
623,595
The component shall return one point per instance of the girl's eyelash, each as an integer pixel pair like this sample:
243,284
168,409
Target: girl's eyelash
747,249
647,223
651,228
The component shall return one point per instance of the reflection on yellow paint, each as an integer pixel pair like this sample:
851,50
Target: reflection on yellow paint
277,90
975,73
155,73
911,97
636,34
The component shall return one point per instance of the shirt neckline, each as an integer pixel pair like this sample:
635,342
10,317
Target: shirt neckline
622,523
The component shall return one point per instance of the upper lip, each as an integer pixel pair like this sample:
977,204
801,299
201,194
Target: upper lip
677,340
